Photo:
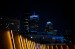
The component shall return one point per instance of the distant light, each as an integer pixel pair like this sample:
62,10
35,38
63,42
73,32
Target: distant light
34,16
55,30
43,37
6,26
1,18
31,37
70,41
53,38
49,22
18,30
26,19
12,23
13,39
26,22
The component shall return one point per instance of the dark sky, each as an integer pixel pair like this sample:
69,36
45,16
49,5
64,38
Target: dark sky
59,12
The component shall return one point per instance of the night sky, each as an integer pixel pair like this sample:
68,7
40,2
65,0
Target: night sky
59,12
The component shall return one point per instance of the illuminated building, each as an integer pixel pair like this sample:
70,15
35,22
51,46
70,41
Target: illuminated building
34,20
25,23
49,29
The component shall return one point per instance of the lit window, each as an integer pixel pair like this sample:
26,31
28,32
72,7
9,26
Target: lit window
31,37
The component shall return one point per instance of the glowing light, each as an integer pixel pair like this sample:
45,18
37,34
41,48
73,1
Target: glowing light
51,46
49,22
21,42
29,44
48,46
67,47
56,47
13,39
26,22
31,37
53,38
34,16
12,23
26,19
8,40
61,47
24,43
33,45
18,42
18,30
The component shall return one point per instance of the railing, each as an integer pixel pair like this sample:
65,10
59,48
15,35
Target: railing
17,41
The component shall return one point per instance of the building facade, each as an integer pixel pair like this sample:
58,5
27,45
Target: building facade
34,23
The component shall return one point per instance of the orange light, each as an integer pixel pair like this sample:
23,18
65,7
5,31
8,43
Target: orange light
48,46
56,47
67,47
51,46
21,42
13,39
24,44
7,40
61,47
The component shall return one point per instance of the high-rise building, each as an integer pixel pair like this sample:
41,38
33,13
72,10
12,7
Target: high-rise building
34,23
49,28
25,22
26,26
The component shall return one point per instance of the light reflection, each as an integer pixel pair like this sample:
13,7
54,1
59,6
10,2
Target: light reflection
21,42
13,39
61,47
67,47
56,47
51,46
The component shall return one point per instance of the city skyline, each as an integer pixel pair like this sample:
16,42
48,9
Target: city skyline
36,24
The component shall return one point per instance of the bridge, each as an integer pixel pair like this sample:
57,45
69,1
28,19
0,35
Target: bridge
11,40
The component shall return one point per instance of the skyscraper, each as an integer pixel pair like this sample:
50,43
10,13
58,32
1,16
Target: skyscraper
34,23
25,22
49,28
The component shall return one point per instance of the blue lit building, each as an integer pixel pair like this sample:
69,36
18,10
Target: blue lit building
48,36
33,25
49,29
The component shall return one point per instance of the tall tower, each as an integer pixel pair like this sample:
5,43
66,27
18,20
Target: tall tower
34,20
25,22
